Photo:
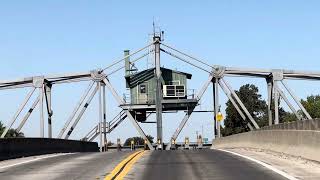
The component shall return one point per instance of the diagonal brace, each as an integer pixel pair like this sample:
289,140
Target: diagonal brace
85,106
18,112
241,104
25,118
287,102
75,110
133,121
228,94
189,112
296,100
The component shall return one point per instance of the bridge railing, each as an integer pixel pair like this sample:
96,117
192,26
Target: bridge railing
309,124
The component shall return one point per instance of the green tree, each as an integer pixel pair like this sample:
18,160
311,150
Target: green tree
1,127
11,132
249,95
287,117
284,116
137,140
312,105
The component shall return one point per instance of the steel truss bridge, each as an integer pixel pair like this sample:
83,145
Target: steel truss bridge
99,82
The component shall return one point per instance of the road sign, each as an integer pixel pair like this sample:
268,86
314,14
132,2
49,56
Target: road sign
219,116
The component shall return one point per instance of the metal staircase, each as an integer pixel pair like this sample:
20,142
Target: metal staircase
110,126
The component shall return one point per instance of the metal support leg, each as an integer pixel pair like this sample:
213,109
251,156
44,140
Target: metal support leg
276,103
75,110
85,106
158,93
296,100
41,91
214,112
228,94
241,104
18,112
100,116
104,118
133,121
270,88
216,105
49,110
25,118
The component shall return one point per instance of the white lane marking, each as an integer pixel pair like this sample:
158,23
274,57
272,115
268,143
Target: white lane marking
282,173
35,159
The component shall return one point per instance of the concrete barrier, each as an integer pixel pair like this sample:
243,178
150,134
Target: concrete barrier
20,147
305,144
308,124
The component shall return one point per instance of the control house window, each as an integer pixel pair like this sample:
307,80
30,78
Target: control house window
143,89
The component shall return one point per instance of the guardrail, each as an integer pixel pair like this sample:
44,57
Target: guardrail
312,124
19,147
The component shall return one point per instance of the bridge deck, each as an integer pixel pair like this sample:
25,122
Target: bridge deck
198,164
179,164
80,166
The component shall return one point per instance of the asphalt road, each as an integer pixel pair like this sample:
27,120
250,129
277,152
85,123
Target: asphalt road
80,166
154,165
199,164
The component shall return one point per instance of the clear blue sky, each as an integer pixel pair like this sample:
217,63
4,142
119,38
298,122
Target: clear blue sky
48,37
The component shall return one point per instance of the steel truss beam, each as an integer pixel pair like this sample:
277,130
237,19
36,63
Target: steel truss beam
76,109
283,96
270,92
25,118
14,118
47,91
51,79
41,83
296,100
241,104
229,95
100,115
216,106
189,112
158,97
84,107
184,60
104,109
277,77
276,102
133,121
131,54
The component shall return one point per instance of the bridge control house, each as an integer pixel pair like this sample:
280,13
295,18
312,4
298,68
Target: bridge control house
142,87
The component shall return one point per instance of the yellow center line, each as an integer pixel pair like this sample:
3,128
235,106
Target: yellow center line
128,167
123,166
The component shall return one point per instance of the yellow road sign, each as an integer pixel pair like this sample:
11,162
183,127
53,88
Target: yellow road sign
219,116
